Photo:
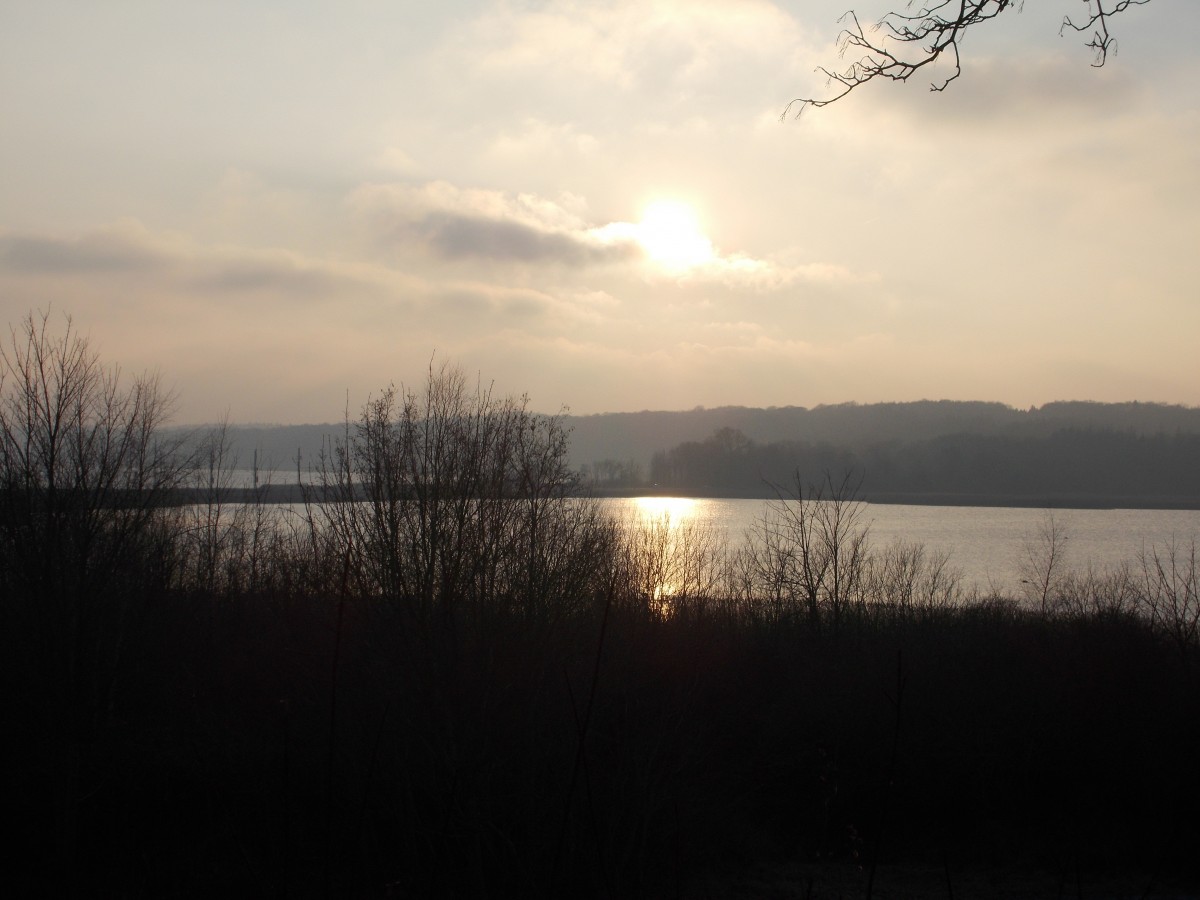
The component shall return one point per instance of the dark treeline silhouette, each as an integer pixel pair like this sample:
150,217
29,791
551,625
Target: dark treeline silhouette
1071,465
443,677
858,426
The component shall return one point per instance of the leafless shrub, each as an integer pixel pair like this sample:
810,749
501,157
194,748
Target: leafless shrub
671,566
226,548
1112,592
84,475
809,550
1170,582
906,576
448,498
1043,564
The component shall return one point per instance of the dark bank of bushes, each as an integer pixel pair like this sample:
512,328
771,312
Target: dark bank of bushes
467,685
274,745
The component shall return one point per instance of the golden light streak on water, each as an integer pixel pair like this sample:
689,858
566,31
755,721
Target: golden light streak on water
671,511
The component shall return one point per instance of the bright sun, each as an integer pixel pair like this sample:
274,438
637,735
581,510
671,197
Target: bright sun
670,234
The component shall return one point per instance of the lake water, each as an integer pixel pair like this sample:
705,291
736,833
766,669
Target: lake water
986,544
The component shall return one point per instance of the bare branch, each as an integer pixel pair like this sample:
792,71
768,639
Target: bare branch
900,45
1102,41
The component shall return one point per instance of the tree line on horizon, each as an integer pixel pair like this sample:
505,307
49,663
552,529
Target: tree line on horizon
1074,463
1063,449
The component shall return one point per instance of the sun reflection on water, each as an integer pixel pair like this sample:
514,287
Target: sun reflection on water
672,511
673,543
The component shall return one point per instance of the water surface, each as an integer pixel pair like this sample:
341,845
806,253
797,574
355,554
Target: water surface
986,543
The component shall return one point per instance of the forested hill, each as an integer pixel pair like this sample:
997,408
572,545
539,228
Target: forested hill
856,426
1134,454
1071,467
951,451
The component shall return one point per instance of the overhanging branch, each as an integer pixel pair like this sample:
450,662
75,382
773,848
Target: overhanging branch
900,45
1097,22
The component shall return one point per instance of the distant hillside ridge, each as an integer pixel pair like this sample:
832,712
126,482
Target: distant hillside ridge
1089,452
857,427
273,448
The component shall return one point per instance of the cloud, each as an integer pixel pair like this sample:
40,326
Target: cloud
128,252
396,160
149,269
125,246
246,208
453,236
280,272
454,224
629,43
740,270
270,333
540,140
997,97
735,269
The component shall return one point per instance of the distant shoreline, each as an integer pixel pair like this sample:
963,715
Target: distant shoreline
292,493
1016,501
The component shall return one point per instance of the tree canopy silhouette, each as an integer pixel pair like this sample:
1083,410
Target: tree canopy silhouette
901,44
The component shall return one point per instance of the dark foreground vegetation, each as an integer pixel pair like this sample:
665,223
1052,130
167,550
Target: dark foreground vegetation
468,685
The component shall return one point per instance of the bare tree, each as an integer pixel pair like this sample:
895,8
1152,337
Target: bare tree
1111,592
1043,562
83,470
810,548
905,576
1171,592
83,475
901,44
449,498
225,547
672,566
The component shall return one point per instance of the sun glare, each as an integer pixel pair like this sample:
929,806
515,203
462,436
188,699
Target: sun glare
670,234
668,510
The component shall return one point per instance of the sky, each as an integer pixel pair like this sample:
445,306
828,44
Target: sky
284,207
